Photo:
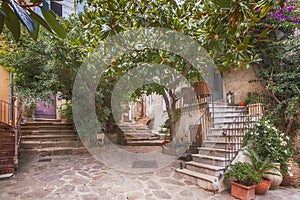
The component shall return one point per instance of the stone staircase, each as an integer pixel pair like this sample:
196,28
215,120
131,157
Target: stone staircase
50,138
207,166
7,151
137,135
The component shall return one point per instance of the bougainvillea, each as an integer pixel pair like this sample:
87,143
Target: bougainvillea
287,13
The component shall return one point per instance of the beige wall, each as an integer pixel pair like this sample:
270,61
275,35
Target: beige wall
4,84
238,82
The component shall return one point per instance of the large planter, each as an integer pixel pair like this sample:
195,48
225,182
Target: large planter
201,89
256,109
263,187
276,180
293,177
242,192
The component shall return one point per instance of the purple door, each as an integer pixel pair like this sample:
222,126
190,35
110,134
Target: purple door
45,109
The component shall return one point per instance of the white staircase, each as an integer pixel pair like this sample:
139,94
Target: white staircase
207,166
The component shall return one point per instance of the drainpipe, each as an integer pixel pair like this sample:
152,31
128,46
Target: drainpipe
11,102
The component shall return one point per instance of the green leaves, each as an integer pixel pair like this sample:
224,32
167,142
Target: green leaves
54,24
12,21
11,14
23,16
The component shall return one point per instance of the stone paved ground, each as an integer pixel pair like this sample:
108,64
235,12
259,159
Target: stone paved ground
83,177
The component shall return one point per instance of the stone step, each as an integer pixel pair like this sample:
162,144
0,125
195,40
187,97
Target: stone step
42,132
48,126
52,137
237,130
145,143
7,145
224,119
205,181
220,137
45,123
213,151
226,114
211,160
6,170
53,151
7,139
218,144
46,144
7,160
47,120
205,168
135,139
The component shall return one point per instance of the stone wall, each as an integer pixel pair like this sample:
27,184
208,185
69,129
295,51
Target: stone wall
238,82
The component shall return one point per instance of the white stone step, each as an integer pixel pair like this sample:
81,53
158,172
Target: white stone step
221,138
225,114
211,160
205,181
213,151
218,144
205,168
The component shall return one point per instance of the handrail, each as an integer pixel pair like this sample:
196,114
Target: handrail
205,125
13,123
235,132
203,121
18,135
4,112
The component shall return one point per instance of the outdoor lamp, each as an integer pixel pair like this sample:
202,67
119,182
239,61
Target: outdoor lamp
230,97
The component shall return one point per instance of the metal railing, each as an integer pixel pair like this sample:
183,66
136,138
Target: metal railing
235,132
196,133
199,131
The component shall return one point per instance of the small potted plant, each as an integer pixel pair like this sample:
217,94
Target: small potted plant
29,107
246,179
65,112
263,167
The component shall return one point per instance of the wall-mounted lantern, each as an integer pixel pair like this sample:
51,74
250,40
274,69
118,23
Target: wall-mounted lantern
230,97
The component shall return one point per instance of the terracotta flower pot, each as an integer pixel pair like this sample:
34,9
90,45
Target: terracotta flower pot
242,192
263,187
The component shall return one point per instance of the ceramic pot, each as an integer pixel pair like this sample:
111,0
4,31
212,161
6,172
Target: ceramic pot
276,180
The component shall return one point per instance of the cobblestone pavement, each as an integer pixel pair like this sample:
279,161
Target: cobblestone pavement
83,177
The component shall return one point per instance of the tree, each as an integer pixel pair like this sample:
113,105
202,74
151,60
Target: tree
223,28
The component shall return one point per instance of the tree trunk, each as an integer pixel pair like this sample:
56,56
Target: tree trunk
171,106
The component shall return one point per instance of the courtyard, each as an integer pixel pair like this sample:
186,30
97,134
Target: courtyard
84,177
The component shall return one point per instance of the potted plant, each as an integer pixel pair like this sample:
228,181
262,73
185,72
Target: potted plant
263,167
29,107
269,143
65,112
246,179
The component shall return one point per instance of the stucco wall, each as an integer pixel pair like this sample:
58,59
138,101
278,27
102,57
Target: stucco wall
4,84
238,82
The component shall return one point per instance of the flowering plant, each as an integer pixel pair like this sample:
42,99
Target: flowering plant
268,142
287,13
